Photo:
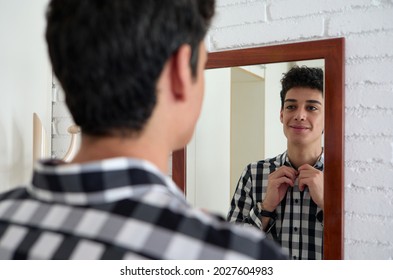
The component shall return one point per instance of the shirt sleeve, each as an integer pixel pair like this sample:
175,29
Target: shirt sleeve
244,209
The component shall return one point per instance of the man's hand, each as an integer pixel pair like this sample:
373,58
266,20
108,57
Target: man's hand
278,183
313,179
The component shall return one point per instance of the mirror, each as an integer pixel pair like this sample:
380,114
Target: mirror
332,52
239,124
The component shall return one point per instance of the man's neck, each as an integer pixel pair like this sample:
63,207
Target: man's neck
299,155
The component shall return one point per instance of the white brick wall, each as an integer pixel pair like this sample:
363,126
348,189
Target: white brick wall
290,8
368,29
265,32
242,14
366,45
366,19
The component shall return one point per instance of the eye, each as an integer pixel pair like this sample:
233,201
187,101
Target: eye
290,107
312,108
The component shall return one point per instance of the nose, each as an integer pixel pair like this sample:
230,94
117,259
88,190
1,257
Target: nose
300,115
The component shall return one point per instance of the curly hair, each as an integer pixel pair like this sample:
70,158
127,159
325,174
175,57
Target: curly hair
307,77
108,55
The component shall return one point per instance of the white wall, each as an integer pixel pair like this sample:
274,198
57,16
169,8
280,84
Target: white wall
274,145
25,86
247,135
208,154
368,29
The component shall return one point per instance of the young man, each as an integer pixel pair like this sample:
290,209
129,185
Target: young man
283,196
132,72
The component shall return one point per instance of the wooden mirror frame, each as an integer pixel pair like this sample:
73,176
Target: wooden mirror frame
332,51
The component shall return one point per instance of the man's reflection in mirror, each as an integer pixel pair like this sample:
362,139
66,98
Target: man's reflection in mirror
283,196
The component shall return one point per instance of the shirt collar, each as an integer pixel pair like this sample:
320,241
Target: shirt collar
318,164
98,182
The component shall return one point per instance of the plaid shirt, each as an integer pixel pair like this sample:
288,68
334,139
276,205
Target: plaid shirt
299,224
115,209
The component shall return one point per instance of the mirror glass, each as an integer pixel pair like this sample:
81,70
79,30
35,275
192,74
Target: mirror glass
239,124
332,52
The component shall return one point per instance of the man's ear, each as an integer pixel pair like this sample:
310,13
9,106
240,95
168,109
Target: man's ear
181,76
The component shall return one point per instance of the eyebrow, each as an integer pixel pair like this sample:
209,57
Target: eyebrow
313,101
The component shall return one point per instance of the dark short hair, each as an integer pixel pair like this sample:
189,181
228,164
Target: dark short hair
108,55
307,77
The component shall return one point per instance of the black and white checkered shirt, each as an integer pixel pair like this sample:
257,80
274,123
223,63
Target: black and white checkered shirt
299,224
116,209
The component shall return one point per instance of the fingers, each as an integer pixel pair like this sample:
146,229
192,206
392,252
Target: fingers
309,177
302,186
278,183
284,172
284,181
305,179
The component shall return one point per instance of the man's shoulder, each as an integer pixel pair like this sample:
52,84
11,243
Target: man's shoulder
19,192
268,162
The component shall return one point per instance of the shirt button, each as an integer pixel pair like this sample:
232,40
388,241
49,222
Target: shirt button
296,200
294,257
295,228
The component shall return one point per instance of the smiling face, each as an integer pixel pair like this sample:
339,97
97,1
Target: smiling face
302,116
